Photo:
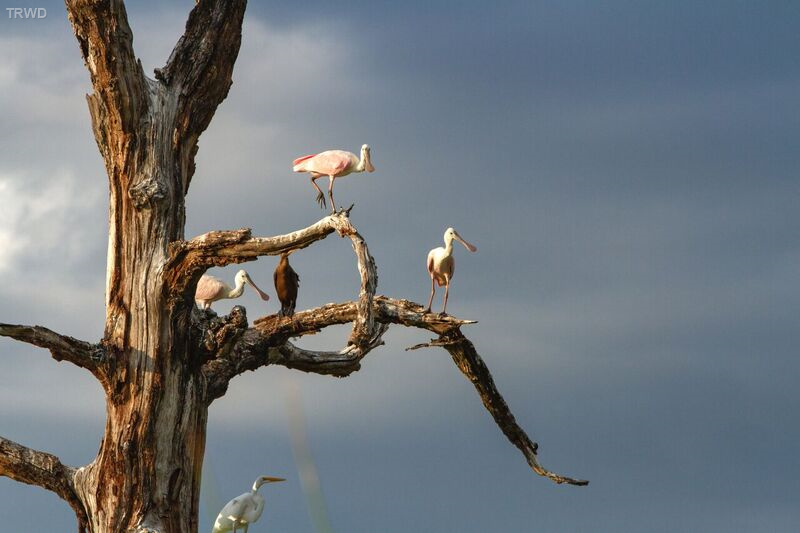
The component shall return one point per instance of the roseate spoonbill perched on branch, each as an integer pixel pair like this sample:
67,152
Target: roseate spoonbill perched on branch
441,265
244,509
286,283
210,289
334,164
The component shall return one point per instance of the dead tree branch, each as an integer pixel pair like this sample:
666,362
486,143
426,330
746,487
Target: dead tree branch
221,248
474,369
267,343
256,349
199,71
92,357
201,63
434,343
106,43
41,469
188,260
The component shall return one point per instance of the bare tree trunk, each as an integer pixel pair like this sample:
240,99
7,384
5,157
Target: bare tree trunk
146,476
161,362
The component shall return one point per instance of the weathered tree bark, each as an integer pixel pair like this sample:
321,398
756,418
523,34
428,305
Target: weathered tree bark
146,476
161,361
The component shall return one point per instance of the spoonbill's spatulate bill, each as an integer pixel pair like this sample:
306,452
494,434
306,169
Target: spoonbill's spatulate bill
286,283
210,289
442,266
334,164
244,509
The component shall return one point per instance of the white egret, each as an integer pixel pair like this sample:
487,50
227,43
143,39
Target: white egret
244,509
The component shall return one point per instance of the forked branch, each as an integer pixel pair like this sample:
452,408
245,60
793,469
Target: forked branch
41,469
92,357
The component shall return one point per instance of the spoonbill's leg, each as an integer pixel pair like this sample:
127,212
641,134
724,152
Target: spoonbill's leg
430,300
446,291
330,193
320,196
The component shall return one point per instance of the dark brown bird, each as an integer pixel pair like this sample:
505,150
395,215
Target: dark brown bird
286,283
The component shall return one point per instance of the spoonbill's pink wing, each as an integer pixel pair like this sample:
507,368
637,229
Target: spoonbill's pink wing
330,163
209,288
300,160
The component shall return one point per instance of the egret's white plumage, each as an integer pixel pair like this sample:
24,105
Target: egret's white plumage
244,509
442,265
210,289
334,164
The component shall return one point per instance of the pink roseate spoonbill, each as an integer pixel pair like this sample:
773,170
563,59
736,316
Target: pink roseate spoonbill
210,289
244,509
334,164
442,266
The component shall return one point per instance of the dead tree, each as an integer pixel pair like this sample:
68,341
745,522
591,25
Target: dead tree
161,362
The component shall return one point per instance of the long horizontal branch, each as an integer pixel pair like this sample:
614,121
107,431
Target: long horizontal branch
267,342
387,310
41,469
62,347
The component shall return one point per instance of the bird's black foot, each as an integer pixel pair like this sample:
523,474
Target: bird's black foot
426,310
321,200
442,314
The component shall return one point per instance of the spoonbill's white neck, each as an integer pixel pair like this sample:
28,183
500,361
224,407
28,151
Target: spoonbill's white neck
238,290
364,163
448,244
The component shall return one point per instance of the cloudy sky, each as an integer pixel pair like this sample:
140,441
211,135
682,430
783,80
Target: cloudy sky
629,173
